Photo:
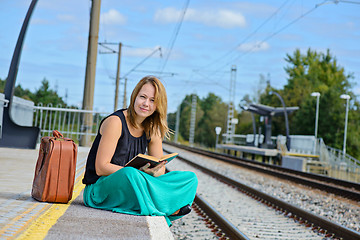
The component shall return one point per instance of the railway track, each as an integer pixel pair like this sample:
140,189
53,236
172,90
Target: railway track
214,220
335,186
321,226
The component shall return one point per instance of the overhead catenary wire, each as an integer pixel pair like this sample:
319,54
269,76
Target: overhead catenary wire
247,37
176,33
157,72
344,1
137,65
111,51
280,30
234,59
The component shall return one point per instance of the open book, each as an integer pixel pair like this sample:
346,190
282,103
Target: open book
141,159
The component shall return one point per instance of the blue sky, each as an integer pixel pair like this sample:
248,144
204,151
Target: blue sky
255,36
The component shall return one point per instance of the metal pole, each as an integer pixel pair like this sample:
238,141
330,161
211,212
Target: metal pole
254,131
217,131
346,121
88,98
347,98
124,102
177,123
317,115
117,78
230,125
317,95
286,119
193,120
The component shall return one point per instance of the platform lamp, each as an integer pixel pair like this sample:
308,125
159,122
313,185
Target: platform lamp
317,95
347,98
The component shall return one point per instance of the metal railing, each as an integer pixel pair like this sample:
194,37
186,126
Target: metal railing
69,121
5,102
337,158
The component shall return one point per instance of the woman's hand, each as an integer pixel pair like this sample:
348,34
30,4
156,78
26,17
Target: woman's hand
155,171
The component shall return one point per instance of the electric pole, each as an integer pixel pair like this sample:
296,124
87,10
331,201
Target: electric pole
124,102
89,87
193,120
177,123
230,119
117,78
117,83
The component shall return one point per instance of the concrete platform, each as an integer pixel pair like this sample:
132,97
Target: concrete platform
22,217
250,150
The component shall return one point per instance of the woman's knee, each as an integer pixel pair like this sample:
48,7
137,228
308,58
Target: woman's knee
191,176
126,172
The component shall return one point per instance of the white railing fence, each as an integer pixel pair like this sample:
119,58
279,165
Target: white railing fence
69,121
337,158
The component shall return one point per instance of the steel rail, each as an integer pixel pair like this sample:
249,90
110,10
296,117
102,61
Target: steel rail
219,223
333,229
231,231
338,187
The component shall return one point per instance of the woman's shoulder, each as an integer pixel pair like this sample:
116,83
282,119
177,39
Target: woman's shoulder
120,113
155,136
111,124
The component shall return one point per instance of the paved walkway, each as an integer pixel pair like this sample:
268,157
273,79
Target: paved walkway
22,217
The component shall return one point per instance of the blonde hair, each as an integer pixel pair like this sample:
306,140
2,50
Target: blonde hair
158,120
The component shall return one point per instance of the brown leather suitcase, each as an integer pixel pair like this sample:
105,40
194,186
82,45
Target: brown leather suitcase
55,169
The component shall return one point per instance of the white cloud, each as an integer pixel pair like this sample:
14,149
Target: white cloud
254,46
167,15
66,17
113,17
40,21
220,18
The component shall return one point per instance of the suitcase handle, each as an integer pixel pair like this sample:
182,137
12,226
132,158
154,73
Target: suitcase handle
57,134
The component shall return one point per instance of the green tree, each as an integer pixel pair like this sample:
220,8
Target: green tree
18,91
211,112
43,95
23,93
245,125
171,121
2,85
185,116
47,96
215,112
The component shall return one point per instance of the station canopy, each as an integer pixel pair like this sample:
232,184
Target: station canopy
264,110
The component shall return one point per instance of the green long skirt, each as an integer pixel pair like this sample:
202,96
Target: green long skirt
131,191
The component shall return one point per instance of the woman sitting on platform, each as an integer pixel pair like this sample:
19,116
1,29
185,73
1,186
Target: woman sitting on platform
121,136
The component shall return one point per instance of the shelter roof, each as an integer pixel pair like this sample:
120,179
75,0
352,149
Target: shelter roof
264,110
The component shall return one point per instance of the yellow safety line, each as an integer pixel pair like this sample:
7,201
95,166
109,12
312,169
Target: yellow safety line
23,214
13,221
7,226
40,227
302,155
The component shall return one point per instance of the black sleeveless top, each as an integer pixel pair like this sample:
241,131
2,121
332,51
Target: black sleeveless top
127,147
